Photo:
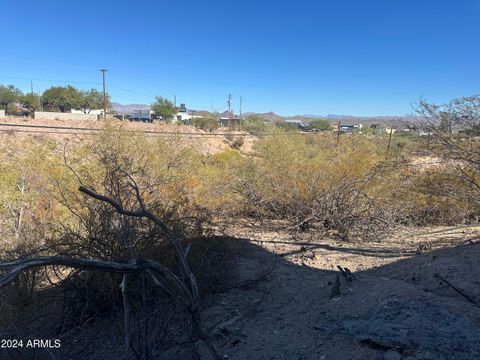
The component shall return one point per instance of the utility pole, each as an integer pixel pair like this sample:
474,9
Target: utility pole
241,99
104,95
389,141
229,110
39,101
338,133
175,100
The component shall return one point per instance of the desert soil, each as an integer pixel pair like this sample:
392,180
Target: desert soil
284,301
275,295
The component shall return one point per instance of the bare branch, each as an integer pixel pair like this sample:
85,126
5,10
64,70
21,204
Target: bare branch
192,295
15,268
112,202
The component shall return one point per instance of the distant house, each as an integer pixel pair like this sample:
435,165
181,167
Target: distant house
227,119
185,116
142,115
302,125
348,128
425,133
146,115
390,130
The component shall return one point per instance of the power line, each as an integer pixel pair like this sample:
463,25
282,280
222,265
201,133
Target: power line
131,91
160,135
84,130
45,132
49,80
127,131
144,96
141,96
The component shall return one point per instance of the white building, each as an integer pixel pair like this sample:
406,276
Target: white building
91,112
185,116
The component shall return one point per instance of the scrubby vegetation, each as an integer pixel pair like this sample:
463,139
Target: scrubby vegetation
206,123
320,124
344,187
309,181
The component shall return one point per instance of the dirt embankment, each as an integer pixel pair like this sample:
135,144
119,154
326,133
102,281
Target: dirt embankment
208,143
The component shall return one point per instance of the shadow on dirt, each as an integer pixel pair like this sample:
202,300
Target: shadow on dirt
397,311
259,305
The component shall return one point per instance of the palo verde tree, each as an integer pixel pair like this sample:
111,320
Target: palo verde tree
92,99
255,124
164,108
298,179
62,98
455,127
8,95
30,101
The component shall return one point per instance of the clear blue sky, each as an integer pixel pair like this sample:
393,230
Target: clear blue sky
362,57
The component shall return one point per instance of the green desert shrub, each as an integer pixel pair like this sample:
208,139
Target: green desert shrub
311,181
208,123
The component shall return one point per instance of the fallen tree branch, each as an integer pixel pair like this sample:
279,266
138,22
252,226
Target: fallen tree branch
192,296
143,213
15,268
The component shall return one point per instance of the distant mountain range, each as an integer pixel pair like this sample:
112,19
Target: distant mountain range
271,116
128,109
345,119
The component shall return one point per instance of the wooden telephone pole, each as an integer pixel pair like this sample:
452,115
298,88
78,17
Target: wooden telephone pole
338,133
229,110
104,95
389,141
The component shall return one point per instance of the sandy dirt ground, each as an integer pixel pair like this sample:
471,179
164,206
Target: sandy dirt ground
280,295
394,307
